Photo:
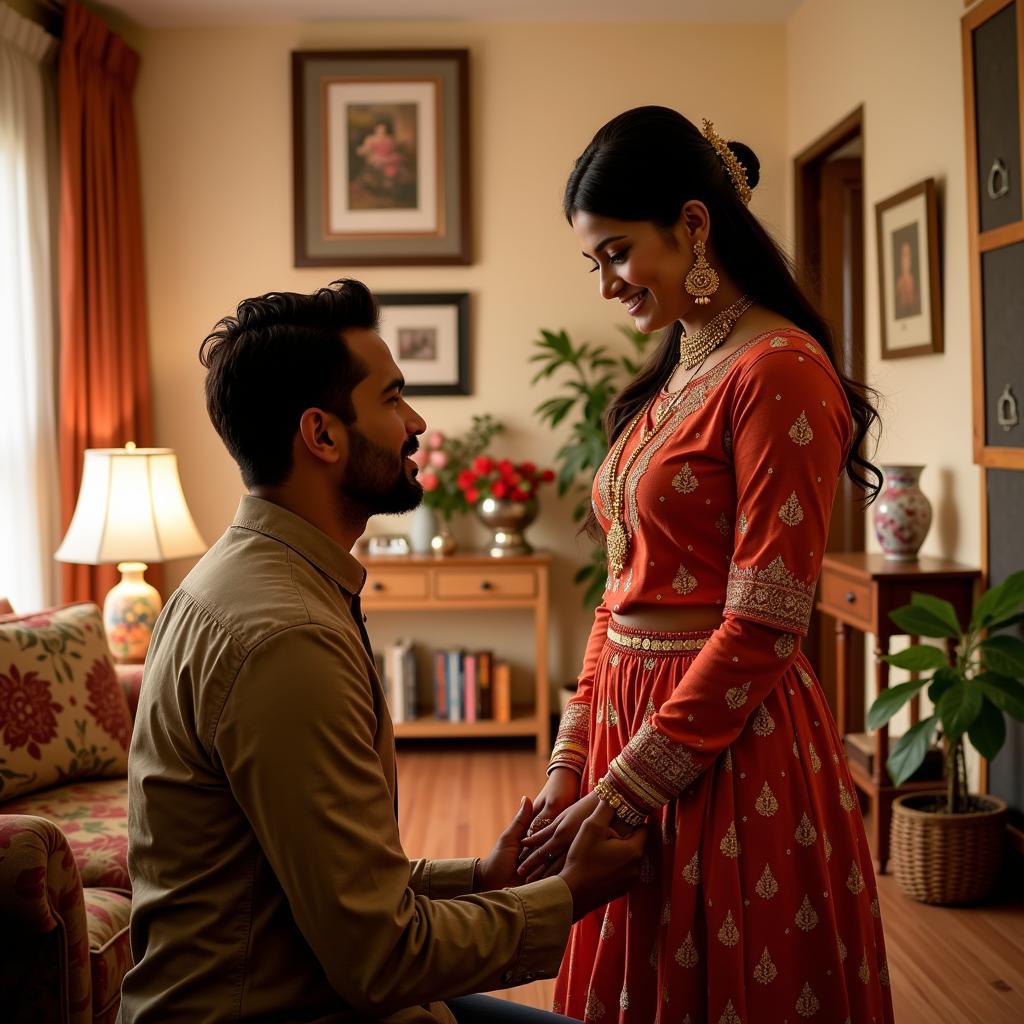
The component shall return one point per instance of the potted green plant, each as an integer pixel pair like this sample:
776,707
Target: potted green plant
948,845
594,375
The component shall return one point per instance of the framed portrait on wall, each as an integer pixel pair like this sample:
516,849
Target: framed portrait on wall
381,157
909,277
428,334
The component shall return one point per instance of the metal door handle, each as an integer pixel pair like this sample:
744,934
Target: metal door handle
998,180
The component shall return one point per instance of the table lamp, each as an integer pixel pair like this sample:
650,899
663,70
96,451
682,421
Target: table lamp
131,511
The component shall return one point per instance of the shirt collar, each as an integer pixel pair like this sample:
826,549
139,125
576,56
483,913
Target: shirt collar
302,537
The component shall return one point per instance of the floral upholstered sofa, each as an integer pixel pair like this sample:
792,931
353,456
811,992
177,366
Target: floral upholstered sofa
66,715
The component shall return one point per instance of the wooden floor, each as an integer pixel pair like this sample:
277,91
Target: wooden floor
955,966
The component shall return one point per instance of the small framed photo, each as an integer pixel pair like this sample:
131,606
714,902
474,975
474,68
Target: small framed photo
909,277
428,335
381,157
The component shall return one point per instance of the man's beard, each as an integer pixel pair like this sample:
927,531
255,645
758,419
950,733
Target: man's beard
376,479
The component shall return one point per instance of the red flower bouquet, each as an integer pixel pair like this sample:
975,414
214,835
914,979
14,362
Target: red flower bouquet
501,479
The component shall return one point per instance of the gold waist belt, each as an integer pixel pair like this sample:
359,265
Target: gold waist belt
654,643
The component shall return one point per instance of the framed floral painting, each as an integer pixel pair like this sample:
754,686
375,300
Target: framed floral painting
381,157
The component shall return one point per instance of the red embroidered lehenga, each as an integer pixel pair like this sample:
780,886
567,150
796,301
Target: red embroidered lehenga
757,900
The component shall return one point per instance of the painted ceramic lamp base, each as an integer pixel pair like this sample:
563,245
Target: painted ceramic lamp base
902,515
129,613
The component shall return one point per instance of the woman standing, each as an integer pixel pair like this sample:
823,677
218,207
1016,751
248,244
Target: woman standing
696,709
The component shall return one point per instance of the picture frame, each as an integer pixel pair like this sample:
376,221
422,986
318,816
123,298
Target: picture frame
909,273
381,157
428,334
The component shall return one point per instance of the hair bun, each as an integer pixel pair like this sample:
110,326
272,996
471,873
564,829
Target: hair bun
747,157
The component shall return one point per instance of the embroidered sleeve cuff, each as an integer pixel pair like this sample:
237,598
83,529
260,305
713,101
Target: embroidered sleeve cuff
547,906
773,596
573,740
651,770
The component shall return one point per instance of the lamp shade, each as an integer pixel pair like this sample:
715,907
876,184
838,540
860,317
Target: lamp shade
130,509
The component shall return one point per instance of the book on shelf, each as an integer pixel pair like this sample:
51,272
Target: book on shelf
399,680
502,685
470,686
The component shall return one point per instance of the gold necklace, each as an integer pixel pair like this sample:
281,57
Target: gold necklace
617,539
694,350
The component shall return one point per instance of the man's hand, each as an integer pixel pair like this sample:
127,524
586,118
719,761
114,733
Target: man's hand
498,869
601,864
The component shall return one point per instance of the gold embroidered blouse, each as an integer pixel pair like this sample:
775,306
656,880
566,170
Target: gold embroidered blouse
730,505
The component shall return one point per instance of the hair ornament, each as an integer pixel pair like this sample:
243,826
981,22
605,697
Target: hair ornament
736,170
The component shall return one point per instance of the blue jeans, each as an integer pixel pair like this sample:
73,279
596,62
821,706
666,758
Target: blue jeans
487,1010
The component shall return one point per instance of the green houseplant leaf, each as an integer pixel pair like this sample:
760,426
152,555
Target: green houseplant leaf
988,733
918,658
890,701
909,751
1000,602
1004,655
1006,694
957,709
920,621
941,609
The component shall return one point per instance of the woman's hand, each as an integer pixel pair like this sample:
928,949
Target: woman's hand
546,848
561,790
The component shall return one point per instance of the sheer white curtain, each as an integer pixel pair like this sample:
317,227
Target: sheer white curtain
29,500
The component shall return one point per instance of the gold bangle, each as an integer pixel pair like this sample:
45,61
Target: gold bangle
618,803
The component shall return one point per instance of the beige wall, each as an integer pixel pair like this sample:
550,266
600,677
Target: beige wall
902,62
215,125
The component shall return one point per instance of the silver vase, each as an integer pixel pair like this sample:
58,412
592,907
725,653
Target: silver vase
506,519
443,542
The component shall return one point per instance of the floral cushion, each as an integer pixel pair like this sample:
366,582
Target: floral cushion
63,714
94,818
110,954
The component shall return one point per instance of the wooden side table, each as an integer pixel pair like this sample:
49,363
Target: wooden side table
470,583
859,590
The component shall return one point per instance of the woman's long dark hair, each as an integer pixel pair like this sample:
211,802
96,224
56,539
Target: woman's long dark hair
643,166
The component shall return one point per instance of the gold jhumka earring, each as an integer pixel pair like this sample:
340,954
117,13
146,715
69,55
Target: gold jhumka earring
702,281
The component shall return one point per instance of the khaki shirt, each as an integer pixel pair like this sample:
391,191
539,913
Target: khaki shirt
268,878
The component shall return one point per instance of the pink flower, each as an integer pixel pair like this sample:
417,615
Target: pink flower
439,459
419,457
429,481
435,439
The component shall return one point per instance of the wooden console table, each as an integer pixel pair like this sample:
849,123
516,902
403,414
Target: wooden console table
469,583
859,590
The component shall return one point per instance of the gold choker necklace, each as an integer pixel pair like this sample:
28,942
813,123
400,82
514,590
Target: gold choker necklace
694,349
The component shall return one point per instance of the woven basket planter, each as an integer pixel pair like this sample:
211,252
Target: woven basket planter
947,858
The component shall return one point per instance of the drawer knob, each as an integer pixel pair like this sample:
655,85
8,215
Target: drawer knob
376,585
851,597
486,585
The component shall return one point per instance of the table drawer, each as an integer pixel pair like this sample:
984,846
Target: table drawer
396,584
486,584
845,598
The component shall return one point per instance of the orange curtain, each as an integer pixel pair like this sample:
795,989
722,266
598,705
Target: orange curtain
105,397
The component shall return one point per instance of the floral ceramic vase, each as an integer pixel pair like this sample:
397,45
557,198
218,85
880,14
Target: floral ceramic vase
506,519
902,514
129,613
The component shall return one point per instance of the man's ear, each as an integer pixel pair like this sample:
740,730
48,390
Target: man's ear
323,435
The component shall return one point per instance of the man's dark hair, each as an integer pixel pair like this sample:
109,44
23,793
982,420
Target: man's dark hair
279,355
